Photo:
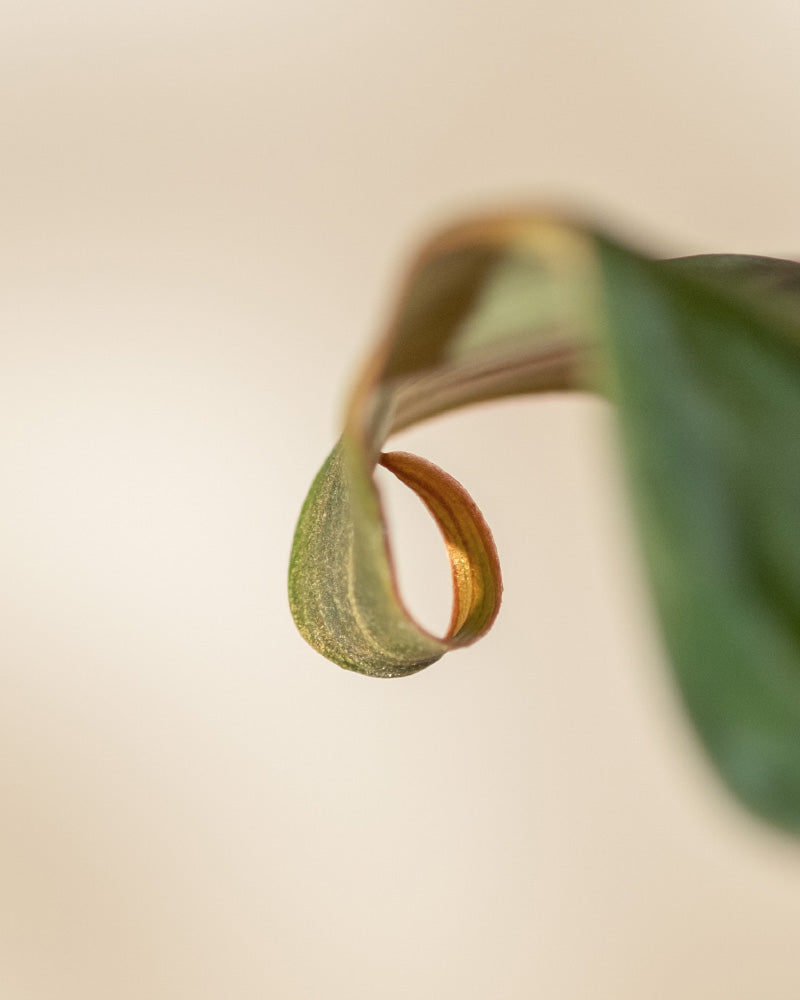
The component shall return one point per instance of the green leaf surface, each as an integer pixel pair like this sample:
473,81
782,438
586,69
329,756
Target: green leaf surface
701,357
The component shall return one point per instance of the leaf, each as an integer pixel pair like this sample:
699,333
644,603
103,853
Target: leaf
701,357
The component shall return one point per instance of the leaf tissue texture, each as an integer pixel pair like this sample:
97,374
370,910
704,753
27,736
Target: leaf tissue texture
701,358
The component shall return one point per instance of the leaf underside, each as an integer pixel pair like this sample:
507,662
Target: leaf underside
701,357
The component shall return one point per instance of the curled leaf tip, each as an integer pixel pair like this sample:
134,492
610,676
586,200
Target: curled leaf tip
490,308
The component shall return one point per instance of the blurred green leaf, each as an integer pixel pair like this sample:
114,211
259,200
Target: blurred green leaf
701,357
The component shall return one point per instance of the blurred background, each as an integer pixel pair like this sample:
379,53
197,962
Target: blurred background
205,209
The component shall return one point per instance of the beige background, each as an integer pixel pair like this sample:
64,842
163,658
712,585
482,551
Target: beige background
204,209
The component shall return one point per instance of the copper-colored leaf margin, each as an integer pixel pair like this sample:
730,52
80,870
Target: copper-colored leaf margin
475,568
